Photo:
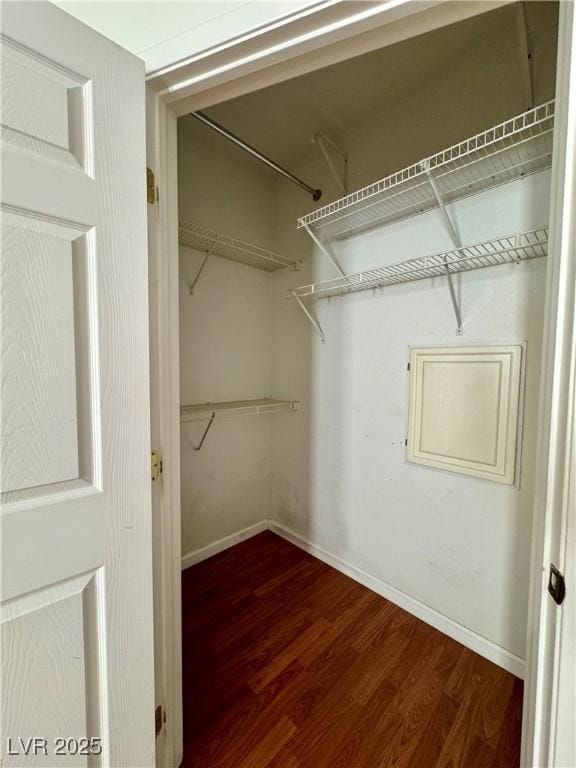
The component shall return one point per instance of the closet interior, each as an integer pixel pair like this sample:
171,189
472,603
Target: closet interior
360,372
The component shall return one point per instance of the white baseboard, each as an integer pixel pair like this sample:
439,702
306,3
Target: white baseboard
197,555
453,629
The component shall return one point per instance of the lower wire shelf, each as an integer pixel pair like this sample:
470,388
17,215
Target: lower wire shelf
511,249
210,411
210,242
504,250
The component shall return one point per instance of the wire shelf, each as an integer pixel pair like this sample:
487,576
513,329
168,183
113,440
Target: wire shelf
508,151
504,250
207,241
200,411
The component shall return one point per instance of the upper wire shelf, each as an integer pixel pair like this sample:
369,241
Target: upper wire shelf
209,242
508,151
504,250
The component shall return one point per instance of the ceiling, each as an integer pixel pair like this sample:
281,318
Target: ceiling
334,99
163,33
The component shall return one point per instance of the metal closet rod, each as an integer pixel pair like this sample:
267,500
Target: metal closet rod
316,193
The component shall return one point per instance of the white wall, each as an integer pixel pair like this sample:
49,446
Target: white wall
340,480
225,339
459,545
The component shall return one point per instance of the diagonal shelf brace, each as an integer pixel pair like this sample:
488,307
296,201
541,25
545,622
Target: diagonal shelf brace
447,220
457,244
200,270
311,317
525,55
205,434
197,275
325,250
324,143
455,305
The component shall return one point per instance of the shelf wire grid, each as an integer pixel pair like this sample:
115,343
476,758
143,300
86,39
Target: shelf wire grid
207,241
504,250
198,411
508,151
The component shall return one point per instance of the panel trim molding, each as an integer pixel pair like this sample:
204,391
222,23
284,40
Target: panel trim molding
31,602
70,78
466,637
501,462
198,555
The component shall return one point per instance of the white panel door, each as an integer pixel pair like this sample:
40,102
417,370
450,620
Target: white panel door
77,638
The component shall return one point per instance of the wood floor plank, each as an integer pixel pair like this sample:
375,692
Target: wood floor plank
493,712
461,678
412,708
289,664
435,732
246,632
284,759
271,706
465,727
480,755
273,641
286,576
383,613
345,621
380,661
318,681
267,749
282,660
508,750
414,711
327,721
245,725
367,733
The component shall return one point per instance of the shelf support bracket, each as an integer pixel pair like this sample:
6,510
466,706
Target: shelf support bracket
525,55
454,299
457,244
311,317
210,422
197,275
324,143
325,250
447,220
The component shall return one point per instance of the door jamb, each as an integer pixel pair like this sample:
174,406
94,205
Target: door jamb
554,494
165,415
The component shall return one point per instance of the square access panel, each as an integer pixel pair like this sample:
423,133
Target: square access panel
464,409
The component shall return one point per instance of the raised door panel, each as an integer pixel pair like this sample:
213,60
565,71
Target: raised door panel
49,419
45,106
39,429
33,103
464,409
52,665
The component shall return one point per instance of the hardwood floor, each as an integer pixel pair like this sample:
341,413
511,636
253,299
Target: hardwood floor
290,664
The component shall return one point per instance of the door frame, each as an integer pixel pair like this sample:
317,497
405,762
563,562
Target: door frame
321,35
554,511
161,159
